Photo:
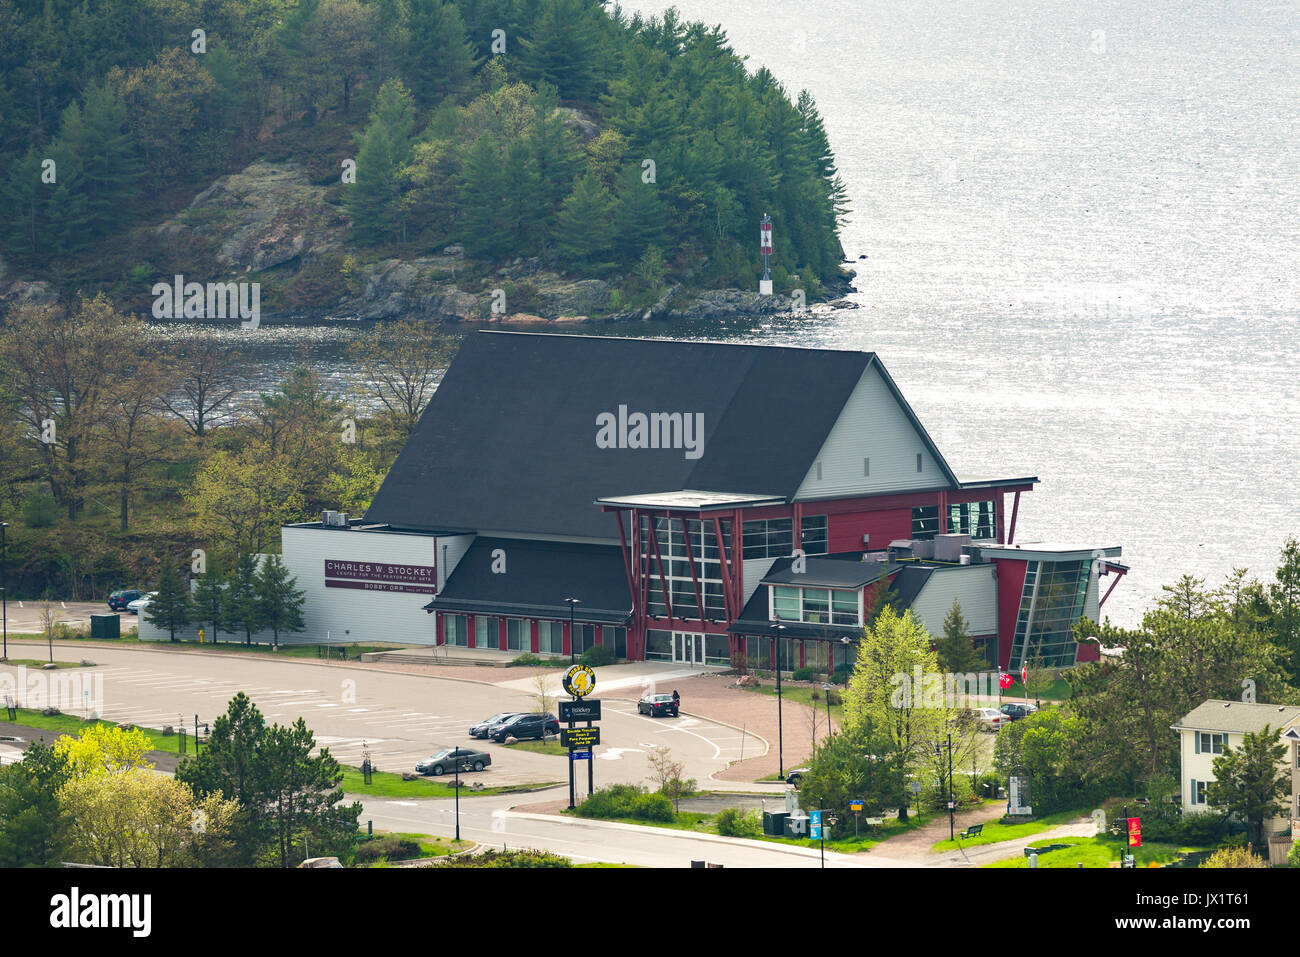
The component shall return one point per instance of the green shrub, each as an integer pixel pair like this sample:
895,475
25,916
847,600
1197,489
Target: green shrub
1293,855
805,674
387,848
734,822
528,659
507,859
597,655
1202,828
627,800
842,674
1233,857
40,510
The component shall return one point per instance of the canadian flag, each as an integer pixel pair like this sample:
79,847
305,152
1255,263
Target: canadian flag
1024,675
1004,680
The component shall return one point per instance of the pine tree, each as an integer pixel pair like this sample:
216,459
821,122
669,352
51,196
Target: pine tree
957,654
640,218
279,599
484,229
563,47
242,610
171,606
374,201
210,597
440,59
584,227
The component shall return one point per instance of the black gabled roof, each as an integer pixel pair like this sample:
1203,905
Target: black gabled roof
537,579
909,582
825,572
508,442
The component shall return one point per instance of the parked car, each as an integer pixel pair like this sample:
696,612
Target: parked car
135,606
525,726
481,729
1015,711
656,705
447,760
991,719
118,600
795,776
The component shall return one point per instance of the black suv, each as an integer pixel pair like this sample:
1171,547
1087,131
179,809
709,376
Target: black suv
523,726
118,600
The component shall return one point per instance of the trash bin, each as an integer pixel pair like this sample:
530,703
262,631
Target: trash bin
105,626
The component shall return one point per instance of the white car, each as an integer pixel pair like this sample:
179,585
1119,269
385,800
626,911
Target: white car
991,719
135,606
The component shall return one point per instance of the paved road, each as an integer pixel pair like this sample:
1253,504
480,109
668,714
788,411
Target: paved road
400,718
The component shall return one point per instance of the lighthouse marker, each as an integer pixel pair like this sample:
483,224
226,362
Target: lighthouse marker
765,247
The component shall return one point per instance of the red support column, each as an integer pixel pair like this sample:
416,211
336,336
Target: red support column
943,513
1118,576
690,557
659,561
1000,509
1015,509
727,599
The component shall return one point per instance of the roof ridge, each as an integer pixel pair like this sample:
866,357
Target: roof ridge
666,339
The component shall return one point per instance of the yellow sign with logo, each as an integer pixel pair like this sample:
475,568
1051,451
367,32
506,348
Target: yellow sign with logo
580,681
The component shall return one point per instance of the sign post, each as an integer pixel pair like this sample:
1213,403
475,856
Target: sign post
580,681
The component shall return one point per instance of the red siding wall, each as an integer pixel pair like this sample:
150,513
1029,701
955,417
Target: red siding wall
844,532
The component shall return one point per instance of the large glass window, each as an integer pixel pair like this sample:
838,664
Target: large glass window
817,605
785,603
517,635
774,537
976,519
717,650
615,639
455,630
844,607
659,645
812,530
672,539
925,522
1050,603
487,632
550,638
1210,743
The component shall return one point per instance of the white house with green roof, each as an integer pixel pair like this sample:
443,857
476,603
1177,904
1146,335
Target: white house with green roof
1217,726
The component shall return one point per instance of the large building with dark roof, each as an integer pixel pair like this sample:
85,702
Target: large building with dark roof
702,501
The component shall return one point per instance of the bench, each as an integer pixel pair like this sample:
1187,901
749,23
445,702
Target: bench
975,830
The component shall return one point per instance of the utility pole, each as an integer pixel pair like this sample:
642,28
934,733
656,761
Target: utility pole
4,591
780,736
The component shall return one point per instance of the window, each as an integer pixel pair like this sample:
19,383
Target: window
517,635
1050,603
550,638
817,606
925,521
844,607
866,467
659,645
1208,742
672,539
819,471
785,603
975,519
584,638
615,639
487,633
1198,791
768,538
920,465
812,530
455,630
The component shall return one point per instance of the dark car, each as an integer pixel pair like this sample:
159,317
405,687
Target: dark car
525,726
657,704
1017,711
481,729
447,760
118,600
795,776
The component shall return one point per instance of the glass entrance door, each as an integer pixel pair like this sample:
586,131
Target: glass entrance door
688,648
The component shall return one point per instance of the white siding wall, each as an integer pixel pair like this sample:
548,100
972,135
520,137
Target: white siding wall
349,615
871,425
754,569
973,586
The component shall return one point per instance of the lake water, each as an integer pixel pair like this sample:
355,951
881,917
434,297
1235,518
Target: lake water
1079,224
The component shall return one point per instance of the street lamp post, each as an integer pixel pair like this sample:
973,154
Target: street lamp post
458,795
780,737
952,830
827,688
571,602
4,592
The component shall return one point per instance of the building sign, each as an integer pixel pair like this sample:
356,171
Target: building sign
381,576
580,710
579,738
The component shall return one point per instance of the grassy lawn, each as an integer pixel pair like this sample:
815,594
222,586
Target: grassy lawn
41,663
1099,852
802,694
430,846
388,784
72,725
551,746
994,832
701,823
1058,690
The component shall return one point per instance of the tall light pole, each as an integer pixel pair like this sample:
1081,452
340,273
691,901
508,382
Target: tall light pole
4,592
952,831
780,734
571,602
827,688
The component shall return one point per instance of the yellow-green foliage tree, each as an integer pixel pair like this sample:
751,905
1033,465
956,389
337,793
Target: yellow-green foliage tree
102,750
242,499
135,818
884,692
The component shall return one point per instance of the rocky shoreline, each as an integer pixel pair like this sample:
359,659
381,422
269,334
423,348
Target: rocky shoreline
269,224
